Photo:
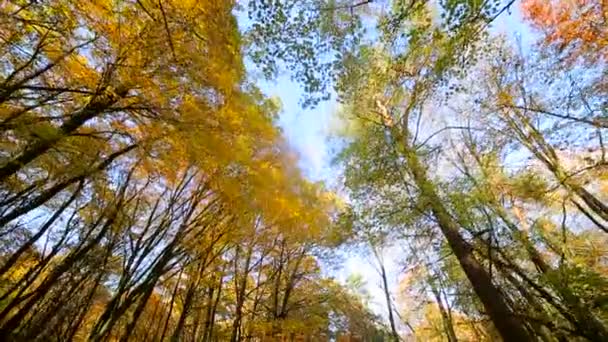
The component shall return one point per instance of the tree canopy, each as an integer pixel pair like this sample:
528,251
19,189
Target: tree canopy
147,191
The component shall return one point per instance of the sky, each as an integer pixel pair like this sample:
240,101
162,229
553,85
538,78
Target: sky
308,132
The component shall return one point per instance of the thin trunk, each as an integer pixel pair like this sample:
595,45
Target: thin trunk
214,308
171,304
196,324
387,297
13,323
158,268
83,307
187,304
85,310
445,317
535,142
208,311
109,318
241,288
145,297
182,317
32,240
57,188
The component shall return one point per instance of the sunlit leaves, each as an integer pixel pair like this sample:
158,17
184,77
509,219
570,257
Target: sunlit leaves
136,148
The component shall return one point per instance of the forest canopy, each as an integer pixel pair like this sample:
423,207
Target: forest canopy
149,193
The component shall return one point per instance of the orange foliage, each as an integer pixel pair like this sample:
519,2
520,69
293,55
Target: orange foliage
577,27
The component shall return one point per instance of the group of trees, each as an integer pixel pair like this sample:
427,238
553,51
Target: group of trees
482,158
145,190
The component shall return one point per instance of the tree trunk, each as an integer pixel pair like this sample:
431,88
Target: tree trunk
39,147
445,317
508,325
387,297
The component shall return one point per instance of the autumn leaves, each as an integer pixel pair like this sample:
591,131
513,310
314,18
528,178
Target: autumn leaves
139,168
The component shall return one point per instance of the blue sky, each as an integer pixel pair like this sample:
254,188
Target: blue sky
305,129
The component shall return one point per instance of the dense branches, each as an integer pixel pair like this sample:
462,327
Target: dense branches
488,211
145,191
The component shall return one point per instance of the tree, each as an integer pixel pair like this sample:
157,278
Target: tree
575,28
137,155
396,144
